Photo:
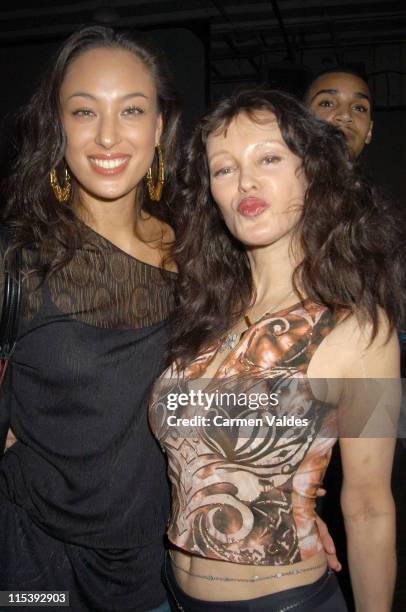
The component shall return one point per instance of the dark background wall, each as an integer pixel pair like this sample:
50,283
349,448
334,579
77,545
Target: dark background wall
217,45
385,157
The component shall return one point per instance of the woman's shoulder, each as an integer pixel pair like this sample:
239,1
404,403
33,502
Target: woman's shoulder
168,239
355,349
157,238
375,351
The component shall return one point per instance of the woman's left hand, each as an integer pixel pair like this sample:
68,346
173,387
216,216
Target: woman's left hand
328,543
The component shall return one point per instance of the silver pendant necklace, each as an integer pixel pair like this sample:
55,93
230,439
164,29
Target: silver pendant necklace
231,340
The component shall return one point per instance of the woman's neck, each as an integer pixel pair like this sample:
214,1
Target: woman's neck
133,231
113,219
272,270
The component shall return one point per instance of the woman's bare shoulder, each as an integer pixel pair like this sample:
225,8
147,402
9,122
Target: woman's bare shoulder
157,238
352,351
167,240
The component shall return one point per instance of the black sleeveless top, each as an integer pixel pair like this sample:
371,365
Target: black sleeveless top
91,341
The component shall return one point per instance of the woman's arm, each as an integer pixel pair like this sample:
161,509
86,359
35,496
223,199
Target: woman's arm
369,516
366,498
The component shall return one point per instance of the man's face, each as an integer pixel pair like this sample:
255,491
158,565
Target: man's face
345,101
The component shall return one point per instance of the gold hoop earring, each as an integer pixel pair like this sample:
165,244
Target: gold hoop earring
155,191
62,193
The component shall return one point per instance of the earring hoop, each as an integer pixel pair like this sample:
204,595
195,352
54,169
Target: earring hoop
155,191
61,192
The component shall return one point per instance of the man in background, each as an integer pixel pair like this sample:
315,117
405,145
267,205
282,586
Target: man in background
341,97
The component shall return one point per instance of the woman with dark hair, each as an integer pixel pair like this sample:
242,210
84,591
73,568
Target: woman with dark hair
290,271
84,497
84,494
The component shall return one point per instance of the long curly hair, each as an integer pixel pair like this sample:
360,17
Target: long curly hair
352,244
30,207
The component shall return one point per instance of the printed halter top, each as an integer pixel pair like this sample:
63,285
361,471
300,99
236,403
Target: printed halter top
244,480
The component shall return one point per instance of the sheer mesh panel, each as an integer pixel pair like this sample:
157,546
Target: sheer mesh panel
105,287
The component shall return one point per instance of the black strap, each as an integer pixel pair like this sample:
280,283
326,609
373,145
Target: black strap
11,308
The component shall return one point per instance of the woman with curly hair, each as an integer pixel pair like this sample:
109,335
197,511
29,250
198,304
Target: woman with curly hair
83,490
84,497
290,272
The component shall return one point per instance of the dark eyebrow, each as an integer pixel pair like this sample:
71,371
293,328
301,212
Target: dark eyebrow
83,94
334,92
359,94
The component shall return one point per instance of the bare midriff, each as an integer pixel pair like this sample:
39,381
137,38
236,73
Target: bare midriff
213,589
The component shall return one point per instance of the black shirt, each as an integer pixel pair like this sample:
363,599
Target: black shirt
91,341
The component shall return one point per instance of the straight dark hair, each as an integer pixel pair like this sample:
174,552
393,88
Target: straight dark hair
31,209
352,244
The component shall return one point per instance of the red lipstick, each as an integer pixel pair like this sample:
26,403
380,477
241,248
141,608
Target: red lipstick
251,207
